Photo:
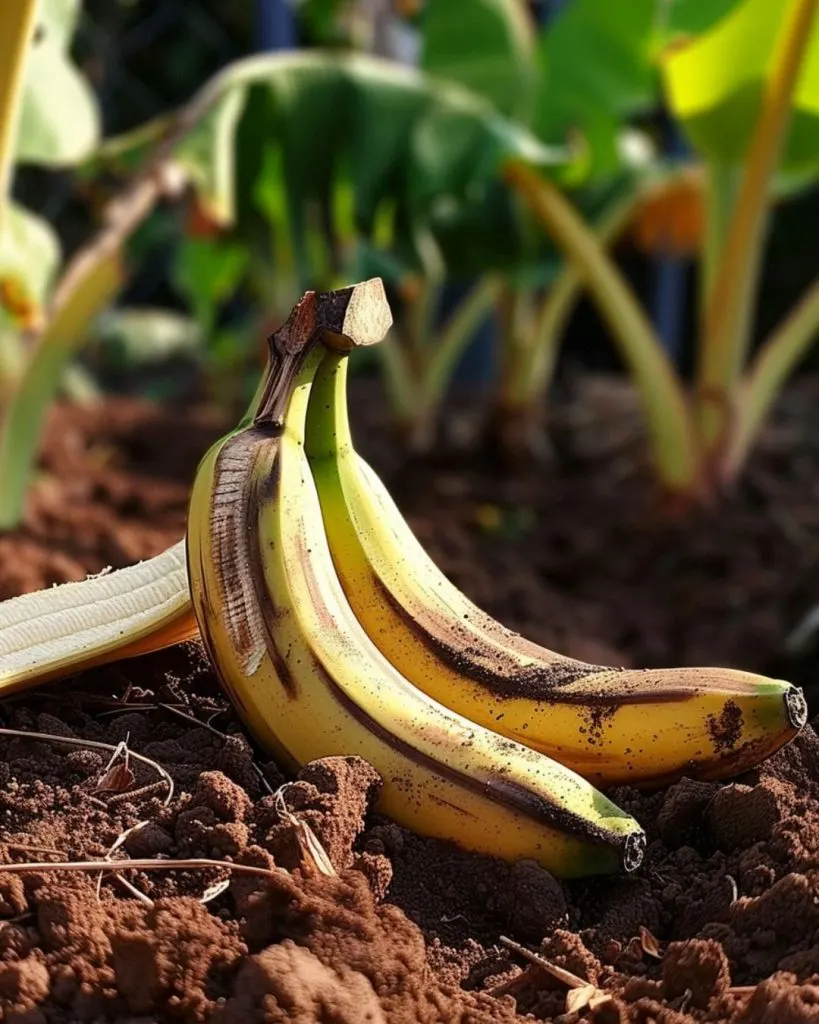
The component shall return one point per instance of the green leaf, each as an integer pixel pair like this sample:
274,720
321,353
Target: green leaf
377,155
29,257
595,61
59,122
485,45
398,134
690,17
714,86
206,272
206,153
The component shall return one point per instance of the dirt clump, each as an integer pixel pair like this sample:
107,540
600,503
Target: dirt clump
533,900
739,816
681,818
698,967
287,984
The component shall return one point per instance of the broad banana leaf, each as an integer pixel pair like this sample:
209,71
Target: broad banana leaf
596,70
485,45
715,83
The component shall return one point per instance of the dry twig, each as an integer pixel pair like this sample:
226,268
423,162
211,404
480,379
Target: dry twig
93,745
192,864
582,993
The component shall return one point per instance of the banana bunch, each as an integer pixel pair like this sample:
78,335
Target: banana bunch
306,676
334,633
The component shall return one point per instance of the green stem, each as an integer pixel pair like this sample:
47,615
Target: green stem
16,28
454,337
666,408
399,380
721,185
11,361
82,294
531,373
728,321
774,362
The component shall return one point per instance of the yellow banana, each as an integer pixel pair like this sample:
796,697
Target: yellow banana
610,725
305,676
109,616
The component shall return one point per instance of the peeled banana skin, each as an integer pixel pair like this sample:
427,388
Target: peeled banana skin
643,727
113,615
309,682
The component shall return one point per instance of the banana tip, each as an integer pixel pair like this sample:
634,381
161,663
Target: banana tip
796,707
634,850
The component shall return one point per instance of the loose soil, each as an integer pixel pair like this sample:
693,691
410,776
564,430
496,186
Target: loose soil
721,924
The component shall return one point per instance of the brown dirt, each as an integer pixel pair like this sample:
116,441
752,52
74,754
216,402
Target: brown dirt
410,929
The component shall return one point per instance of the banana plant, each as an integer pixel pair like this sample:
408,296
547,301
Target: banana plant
581,81
292,132
746,91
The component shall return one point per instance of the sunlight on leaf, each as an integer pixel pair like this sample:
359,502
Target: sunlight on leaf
714,85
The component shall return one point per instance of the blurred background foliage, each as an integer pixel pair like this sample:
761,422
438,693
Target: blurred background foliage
371,142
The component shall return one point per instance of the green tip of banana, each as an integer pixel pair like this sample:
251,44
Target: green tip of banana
333,632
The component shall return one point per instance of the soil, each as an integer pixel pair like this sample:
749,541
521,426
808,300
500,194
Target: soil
721,923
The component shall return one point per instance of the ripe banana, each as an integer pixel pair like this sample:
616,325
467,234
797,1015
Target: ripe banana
307,679
107,617
610,725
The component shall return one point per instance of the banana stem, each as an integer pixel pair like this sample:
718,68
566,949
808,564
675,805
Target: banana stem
728,321
454,337
776,359
399,380
16,29
531,373
664,401
327,433
720,192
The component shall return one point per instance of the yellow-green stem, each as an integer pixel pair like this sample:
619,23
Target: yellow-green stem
720,192
775,361
664,400
16,28
454,336
531,371
728,320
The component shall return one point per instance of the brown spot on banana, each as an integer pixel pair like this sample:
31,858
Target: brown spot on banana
503,676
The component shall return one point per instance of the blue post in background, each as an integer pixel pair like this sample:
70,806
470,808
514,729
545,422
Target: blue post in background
668,300
275,25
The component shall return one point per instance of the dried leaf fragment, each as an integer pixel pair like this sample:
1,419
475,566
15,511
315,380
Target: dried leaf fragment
117,779
311,848
649,943
577,999
214,890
